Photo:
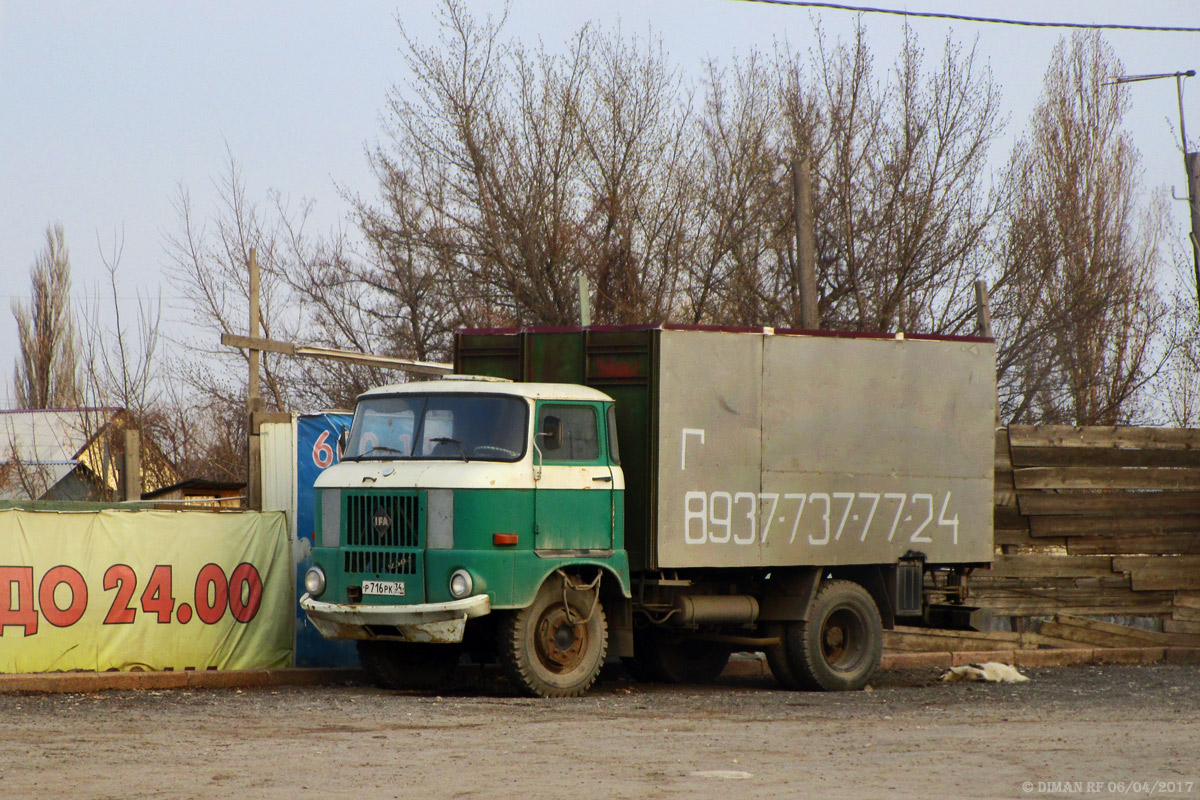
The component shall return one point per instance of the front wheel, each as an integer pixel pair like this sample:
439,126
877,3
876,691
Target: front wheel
839,646
556,646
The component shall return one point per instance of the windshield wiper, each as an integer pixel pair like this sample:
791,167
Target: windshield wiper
447,440
382,447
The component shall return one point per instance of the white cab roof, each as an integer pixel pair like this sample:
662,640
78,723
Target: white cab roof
458,384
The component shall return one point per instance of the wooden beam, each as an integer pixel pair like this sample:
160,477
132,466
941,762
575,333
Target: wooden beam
1107,478
258,343
1114,502
1047,566
1021,538
1114,525
1187,600
1149,573
1148,544
1100,634
1087,583
1100,602
1121,437
383,362
367,359
1102,457
259,418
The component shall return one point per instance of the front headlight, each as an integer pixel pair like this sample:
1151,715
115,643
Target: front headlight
461,584
314,582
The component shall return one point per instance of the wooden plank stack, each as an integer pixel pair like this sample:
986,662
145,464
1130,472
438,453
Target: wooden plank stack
1090,522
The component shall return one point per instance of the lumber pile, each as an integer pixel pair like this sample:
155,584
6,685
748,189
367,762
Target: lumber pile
1089,522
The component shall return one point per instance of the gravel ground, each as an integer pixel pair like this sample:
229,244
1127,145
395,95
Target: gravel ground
1093,731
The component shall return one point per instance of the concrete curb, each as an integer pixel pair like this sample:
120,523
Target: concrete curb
81,682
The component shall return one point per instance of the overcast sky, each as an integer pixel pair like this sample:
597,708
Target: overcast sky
107,108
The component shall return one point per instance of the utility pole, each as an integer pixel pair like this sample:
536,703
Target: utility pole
806,248
1191,163
254,403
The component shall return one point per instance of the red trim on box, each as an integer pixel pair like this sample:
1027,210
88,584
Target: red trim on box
671,326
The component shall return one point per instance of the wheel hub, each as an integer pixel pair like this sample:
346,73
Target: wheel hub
842,639
834,637
560,643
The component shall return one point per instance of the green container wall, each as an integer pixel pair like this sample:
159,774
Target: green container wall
620,363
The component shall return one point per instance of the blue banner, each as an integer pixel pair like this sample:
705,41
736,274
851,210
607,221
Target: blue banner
316,450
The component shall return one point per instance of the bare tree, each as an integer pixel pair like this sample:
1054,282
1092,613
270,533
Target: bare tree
46,371
1079,314
509,172
904,211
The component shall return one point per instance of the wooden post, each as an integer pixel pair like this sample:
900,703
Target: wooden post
253,401
131,473
585,305
983,308
806,247
252,393
983,317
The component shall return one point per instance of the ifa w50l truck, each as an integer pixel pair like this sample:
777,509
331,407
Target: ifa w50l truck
663,495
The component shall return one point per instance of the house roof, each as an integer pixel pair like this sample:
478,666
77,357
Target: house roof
47,436
41,447
196,485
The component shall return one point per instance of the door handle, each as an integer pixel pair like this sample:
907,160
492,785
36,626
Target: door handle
604,478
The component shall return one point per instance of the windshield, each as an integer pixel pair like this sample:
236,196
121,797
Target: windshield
446,426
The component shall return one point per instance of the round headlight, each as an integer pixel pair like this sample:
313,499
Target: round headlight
461,584
314,582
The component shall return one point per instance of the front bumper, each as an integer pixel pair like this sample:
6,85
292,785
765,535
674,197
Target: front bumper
428,622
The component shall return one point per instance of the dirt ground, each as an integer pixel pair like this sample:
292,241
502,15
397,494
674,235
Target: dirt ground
1115,730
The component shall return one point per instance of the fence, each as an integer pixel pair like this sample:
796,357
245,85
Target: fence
115,589
1090,522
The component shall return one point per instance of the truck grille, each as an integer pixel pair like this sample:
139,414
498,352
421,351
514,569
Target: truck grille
382,520
380,561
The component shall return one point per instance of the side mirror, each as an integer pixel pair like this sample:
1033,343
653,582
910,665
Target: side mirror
551,433
342,440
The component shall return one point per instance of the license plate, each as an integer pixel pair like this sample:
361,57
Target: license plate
393,588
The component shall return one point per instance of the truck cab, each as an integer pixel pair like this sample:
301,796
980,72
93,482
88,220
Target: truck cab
462,497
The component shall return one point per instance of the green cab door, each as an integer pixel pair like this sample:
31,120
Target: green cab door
573,497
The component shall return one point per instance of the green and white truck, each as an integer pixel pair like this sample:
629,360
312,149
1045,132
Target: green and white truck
665,495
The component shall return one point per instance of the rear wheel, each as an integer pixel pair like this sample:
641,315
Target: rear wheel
406,665
556,646
838,648
777,660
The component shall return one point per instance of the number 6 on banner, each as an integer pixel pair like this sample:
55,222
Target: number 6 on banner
322,453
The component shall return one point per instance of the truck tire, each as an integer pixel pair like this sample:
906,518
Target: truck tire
552,649
777,660
673,660
405,665
839,646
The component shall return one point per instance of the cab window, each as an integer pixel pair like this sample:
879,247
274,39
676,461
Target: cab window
568,432
614,454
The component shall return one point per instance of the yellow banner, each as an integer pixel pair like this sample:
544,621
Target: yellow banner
124,590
